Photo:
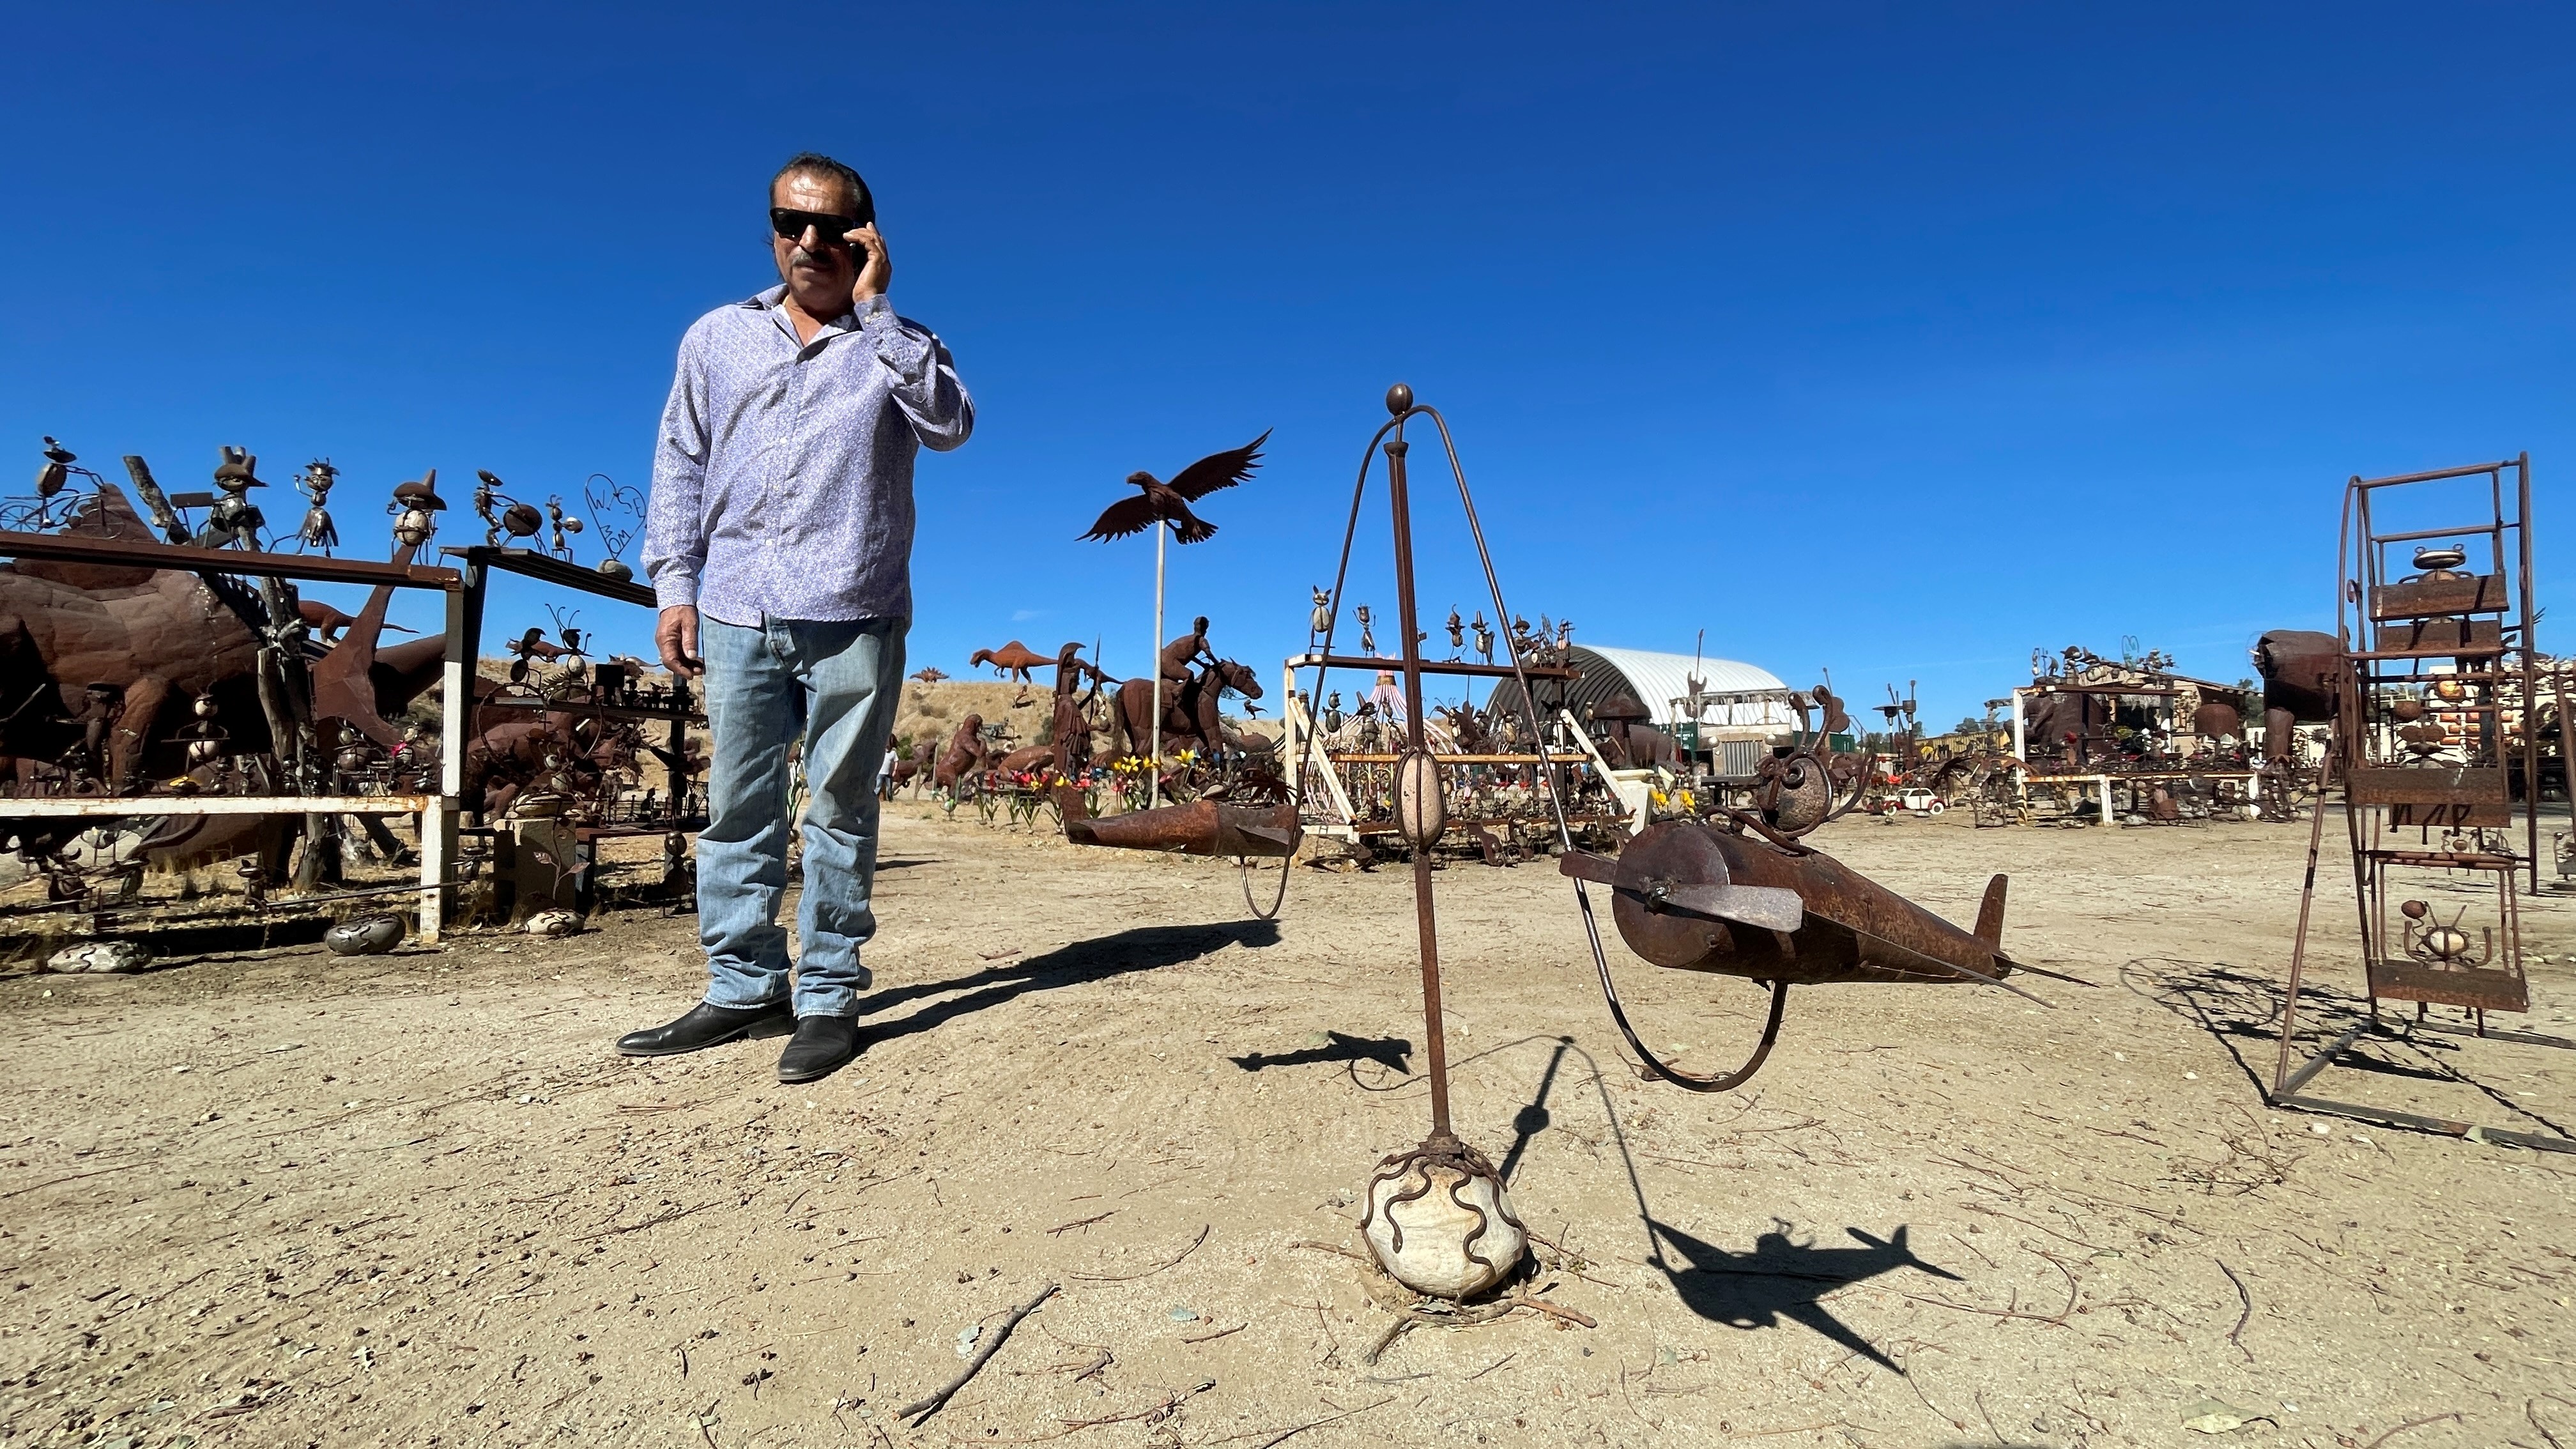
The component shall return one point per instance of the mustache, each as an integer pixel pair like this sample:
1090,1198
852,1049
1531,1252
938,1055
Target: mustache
798,256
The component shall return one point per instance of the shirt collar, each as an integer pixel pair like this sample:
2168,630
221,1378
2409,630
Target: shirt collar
774,300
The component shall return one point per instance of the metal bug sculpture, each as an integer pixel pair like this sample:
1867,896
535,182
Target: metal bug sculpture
518,520
412,506
317,530
566,527
609,504
54,489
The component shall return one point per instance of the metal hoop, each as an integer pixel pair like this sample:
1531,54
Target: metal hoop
1245,870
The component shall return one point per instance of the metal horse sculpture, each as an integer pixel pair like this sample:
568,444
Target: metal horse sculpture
1190,718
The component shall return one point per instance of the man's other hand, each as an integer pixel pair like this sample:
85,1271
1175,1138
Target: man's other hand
677,636
878,275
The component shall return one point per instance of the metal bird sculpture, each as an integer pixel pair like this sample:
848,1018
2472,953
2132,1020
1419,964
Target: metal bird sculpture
1169,503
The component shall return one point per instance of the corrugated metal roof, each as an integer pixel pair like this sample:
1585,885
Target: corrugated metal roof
1740,696
1656,680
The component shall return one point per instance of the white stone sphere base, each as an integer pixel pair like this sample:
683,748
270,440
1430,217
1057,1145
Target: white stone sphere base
1435,1228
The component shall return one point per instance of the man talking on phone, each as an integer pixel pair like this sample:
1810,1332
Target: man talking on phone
779,542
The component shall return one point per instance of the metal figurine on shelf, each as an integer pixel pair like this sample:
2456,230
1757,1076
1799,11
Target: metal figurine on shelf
519,520
230,516
315,484
54,489
565,527
413,504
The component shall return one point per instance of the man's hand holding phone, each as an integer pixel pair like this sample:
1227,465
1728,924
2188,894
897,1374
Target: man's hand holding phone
876,269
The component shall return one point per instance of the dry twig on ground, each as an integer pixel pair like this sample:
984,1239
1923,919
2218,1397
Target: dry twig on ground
992,1344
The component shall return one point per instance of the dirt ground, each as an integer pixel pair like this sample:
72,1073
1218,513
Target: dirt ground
414,1200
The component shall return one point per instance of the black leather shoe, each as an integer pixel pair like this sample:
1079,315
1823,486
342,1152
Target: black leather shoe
822,1045
704,1026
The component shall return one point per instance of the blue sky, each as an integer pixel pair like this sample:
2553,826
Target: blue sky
1892,339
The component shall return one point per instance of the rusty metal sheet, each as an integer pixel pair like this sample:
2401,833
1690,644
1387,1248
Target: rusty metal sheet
2425,598
2441,636
2457,785
1204,827
2474,989
2485,814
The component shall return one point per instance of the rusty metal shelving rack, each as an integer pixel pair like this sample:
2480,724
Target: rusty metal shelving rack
464,650
2423,652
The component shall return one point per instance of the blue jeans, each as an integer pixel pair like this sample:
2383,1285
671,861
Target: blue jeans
836,683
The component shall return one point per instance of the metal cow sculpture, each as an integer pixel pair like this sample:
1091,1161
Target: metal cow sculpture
1629,739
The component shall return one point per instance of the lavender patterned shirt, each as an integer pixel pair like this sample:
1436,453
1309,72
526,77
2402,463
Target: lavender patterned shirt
782,481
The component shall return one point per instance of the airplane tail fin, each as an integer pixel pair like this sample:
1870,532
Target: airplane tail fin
1990,916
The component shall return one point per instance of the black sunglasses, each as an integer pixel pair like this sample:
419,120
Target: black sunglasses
792,224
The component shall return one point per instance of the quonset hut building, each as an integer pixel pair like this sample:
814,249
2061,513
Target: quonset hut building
1740,706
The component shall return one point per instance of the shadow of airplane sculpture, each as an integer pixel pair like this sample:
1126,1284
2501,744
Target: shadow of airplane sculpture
1387,1051
1780,1279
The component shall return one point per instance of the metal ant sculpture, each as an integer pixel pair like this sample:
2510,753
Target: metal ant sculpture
315,484
2440,944
519,520
564,525
619,500
54,487
230,515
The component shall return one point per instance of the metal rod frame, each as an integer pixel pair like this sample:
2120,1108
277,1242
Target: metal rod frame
2361,569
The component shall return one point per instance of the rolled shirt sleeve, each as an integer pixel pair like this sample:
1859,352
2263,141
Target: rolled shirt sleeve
925,376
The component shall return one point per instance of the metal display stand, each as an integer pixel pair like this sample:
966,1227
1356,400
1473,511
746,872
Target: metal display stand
2436,697
465,610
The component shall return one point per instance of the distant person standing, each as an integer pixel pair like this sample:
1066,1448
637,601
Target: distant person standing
779,542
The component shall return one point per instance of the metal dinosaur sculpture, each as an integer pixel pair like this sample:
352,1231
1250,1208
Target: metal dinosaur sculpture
1012,661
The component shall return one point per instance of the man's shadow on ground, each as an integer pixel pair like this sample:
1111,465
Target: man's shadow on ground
1144,948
